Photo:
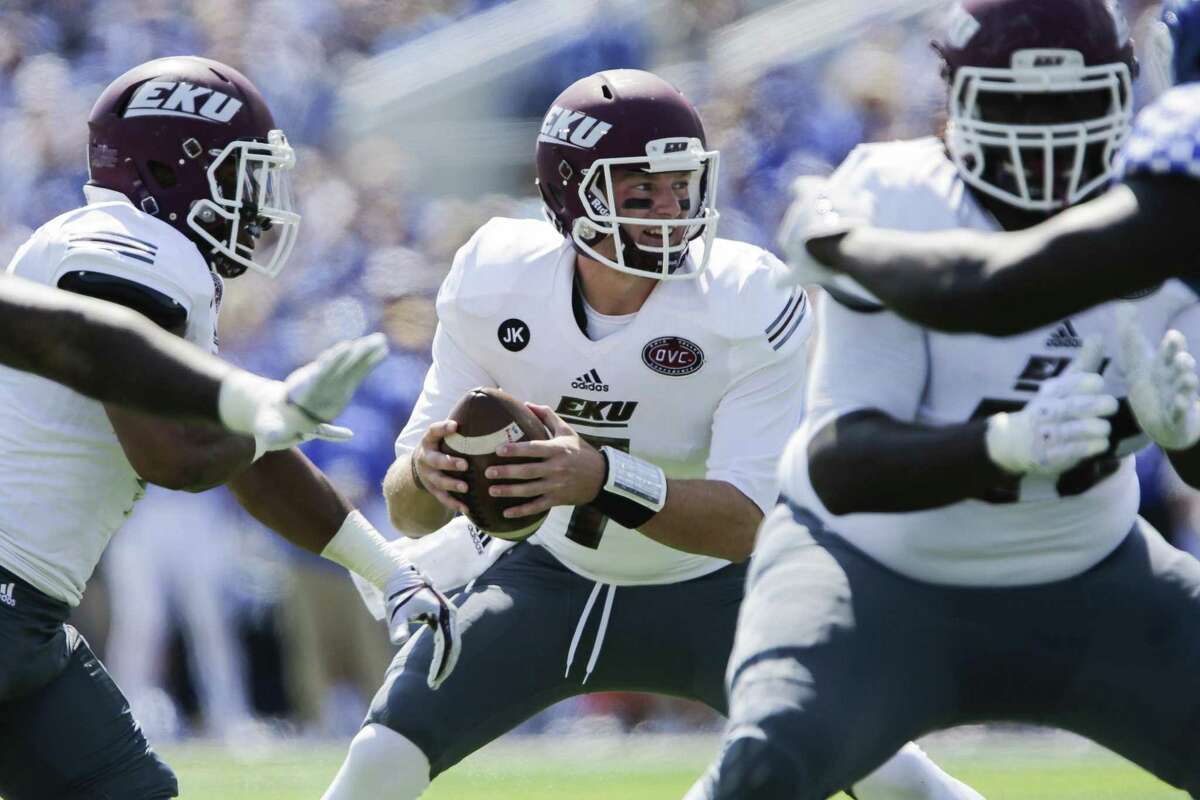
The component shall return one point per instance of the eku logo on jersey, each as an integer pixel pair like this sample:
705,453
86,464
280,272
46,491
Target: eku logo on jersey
606,413
179,99
574,128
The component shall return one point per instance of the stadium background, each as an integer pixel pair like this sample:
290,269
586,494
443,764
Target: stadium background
414,121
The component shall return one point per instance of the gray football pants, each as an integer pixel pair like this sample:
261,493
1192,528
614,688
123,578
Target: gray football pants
839,661
66,731
534,633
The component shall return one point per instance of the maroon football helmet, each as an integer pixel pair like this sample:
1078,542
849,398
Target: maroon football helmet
632,119
192,142
1040,97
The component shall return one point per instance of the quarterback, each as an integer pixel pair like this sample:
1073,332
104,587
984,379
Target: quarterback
1131,238
654,352
958,540
188,183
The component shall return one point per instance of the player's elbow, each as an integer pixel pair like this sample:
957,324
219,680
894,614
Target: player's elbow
741,547
833,487
167,473
835,472
182,474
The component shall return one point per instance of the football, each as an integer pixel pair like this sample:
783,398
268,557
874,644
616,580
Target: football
486,419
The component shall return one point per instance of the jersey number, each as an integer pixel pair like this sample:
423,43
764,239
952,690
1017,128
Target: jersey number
587,525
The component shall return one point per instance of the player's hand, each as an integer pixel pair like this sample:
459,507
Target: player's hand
813,214
410,598
568,472
1061,426
434,470
1163,387
300,408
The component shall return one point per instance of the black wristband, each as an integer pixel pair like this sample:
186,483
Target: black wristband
621,510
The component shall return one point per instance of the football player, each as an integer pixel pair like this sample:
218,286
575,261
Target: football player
668,369
1128,240
188,183
115,355
959,539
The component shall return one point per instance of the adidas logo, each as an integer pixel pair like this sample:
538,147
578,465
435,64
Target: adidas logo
590,381
6,594
1064,336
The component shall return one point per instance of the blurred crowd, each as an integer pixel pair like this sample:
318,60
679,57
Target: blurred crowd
208,623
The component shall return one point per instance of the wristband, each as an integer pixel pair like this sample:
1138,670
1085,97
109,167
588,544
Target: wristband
360,548
241,396
633,491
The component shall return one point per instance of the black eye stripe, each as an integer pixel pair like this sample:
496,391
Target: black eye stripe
637,204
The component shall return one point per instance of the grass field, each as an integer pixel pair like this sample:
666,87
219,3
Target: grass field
1002,766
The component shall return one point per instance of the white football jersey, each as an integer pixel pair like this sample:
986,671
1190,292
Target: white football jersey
65,483
706,381
1037,531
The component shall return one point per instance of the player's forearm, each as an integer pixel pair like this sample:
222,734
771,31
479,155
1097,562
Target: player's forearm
868,462
1006,283
106,352
710,518
286,492
411,509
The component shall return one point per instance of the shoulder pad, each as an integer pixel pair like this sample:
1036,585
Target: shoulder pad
505,258
1166,137
163,310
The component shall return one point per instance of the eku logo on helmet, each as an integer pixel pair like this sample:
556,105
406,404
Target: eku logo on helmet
179,99
573,128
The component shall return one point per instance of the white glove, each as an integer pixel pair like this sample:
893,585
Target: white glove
813,214
1162,386
283,414
1061,426
410,598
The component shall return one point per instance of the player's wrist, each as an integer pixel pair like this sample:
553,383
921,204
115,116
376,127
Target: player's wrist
633,490
360,548
242,395
1001,440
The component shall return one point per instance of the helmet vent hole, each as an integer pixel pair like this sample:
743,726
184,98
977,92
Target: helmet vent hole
162,174
606,91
